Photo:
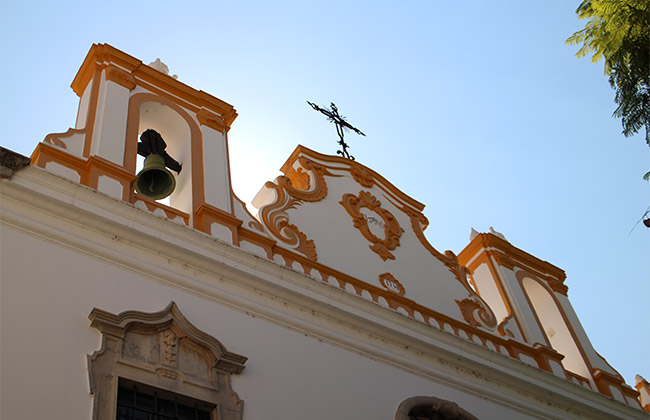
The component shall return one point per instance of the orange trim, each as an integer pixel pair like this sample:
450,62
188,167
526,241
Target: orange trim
521,258
356,169
581,379
514,348
257,239
92,110
212,120
170,212
643,384
207,214
545,354
520,275
392,230
390,283
196,142
99,166
44,153
484,258
104,53
89,170
604,380
273,214
119,76
231,191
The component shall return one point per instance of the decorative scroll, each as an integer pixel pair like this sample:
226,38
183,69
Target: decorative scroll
305,246
288,196
319,190
362,175
477,313
502,327
474,309
392,230
299,178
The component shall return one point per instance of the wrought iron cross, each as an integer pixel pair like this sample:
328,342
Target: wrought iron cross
341,125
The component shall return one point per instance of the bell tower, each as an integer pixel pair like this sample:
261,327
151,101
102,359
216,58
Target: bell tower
120,99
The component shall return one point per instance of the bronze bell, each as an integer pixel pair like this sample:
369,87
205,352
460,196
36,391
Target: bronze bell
154,180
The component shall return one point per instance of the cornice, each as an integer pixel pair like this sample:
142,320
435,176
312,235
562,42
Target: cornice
521,258
104,55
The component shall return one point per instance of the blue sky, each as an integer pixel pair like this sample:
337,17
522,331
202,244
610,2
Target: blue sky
477,109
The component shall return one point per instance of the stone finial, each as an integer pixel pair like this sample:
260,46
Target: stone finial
499,234
161,67
473,234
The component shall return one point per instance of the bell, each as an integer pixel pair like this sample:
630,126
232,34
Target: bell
154,180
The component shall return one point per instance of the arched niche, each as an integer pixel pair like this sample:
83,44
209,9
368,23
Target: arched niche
184,143
553,323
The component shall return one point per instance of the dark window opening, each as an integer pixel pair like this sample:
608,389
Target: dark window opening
141,402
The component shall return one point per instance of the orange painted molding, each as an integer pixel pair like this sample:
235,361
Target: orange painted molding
104,55
509,256
170,212
365,176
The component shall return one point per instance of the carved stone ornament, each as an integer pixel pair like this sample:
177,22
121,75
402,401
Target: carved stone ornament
299,178
289,196
391,284
431,408
121,77
211,120
362,175
392,230
162,350
477,313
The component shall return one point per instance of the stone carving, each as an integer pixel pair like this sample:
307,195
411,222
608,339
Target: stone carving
392,230
169,348
299,178
288,196
362,175
211,120
391,283
477,313
147,348
120,77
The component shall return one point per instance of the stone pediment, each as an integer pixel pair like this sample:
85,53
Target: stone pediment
341,214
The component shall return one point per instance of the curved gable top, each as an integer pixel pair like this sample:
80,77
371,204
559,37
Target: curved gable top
341,214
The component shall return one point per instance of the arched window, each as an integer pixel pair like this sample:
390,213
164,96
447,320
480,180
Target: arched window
431,408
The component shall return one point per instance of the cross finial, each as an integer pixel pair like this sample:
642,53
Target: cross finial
338,120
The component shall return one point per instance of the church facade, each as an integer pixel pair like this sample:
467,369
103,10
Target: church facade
328,303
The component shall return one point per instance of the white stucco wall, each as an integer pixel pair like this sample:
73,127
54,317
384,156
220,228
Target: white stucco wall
46,337
313,349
